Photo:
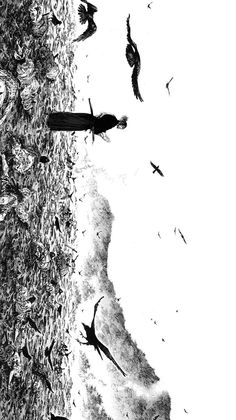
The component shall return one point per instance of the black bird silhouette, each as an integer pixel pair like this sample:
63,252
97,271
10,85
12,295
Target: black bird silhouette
133,58
182,236
167,85
156,169
67,196
25,351
58,417
87,16
59,309
48,351
185,411
55,21
42,376
31,323
57,224
149,5
92,339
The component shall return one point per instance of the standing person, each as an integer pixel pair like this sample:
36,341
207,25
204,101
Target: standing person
69,121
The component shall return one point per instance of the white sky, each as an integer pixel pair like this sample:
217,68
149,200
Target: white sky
191,135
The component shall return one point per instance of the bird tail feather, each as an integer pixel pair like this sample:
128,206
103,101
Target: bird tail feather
82,12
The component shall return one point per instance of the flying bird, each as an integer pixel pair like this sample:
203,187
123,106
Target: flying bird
48,352
182,236
31,323
185,411
167,85
57,224
59,309
42,375
149,5
25,351
156,169
92,339
87,16
133,58
55,21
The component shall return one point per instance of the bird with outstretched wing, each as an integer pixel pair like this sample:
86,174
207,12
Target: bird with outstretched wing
156,169
86,15
95,342
133,58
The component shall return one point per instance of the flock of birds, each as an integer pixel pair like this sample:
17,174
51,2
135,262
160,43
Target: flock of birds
86,15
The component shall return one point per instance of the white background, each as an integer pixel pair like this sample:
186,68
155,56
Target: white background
191,135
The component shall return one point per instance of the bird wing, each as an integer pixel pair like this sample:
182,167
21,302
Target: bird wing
160,172
129,33
130,55
50,348
91,29
154,166
57,224
91,8
134,79
33,325
107,353
98,350
95,310
26,352
50,361
82,12
48,384
55,21
182,236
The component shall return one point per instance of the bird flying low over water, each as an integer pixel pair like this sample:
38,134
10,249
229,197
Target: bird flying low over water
156,169
92,339
133,58
87,16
